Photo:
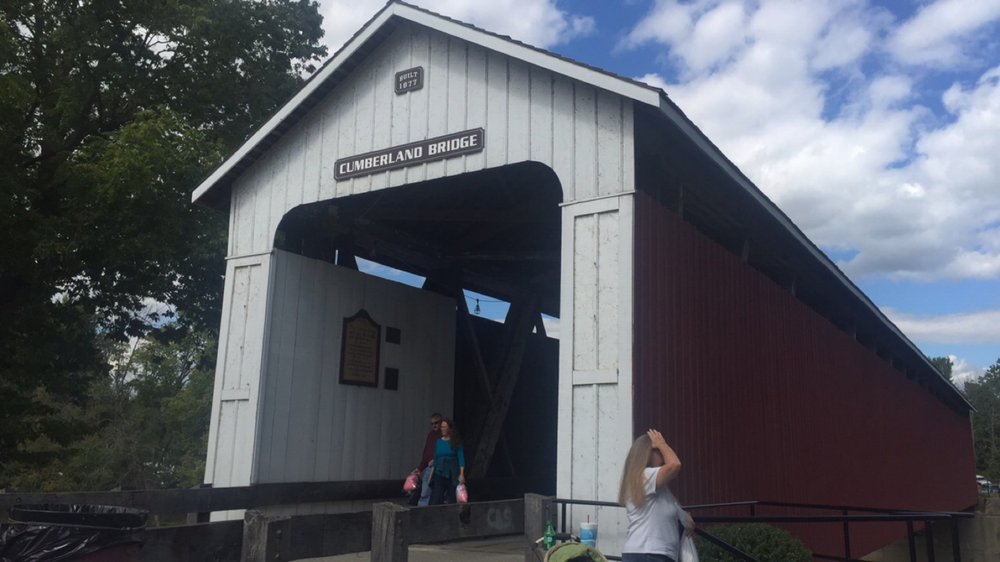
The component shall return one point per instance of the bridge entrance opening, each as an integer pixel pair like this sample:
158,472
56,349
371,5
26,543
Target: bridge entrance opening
487,245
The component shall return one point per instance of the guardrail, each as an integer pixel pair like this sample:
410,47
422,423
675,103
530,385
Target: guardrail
844,516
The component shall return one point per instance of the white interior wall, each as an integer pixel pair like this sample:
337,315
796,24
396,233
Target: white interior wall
312,428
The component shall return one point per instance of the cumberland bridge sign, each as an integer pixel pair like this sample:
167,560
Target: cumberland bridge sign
438,148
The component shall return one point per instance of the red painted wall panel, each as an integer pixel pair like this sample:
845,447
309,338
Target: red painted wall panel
764,399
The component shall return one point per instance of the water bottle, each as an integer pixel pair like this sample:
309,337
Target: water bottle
549,538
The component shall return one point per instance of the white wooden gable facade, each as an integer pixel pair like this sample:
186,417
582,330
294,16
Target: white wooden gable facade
272,423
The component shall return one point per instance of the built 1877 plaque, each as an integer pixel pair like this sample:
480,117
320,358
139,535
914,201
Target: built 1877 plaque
359,350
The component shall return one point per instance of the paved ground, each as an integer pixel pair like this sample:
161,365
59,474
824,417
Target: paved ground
498,549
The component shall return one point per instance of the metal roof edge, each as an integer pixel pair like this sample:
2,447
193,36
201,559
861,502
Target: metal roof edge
395,8
674,113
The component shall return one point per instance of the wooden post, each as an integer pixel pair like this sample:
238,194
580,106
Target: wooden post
538,511
254,536
390,542
486,382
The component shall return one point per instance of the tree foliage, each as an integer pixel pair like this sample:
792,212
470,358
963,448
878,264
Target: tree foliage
146,422
943,365
984,394
111,111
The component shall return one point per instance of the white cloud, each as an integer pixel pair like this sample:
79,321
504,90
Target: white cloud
840,142
981,327
536,22
962,372
942,32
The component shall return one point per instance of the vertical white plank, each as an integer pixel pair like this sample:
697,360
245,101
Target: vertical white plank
585,293
245,216
584,444
270,376
312,165
307,377
628,147
564,417
278,187
497,89
609,143
540,136
401,60
564,136
296,171
519,113
585,171
476,86
364,111
436,84
339,294
285,327
608,278
346,120
457,100
234,205
323,424
227,444
262,241
383,94
420,53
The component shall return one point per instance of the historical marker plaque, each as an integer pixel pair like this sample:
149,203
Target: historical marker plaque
359,350
409,80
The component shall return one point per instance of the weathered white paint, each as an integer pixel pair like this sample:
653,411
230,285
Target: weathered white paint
527,113
595,370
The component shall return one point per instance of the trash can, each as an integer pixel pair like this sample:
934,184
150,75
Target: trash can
59,532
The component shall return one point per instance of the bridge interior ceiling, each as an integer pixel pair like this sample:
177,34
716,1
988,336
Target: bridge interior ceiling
496,232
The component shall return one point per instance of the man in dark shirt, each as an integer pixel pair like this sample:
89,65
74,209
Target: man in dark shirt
427,459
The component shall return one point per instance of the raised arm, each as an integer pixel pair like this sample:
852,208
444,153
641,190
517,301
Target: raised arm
671,464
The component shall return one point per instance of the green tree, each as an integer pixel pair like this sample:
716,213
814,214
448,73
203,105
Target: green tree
984,394
111,111
943,365
146,422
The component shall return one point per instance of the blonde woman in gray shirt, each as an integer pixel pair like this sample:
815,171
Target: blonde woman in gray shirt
653,513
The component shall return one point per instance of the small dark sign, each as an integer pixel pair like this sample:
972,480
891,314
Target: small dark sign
438,148
359,347
409,80
391,378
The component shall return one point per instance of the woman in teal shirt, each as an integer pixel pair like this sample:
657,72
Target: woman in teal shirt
449,465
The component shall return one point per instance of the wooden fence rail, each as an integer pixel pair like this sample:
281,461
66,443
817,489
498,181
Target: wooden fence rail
387,530
206,500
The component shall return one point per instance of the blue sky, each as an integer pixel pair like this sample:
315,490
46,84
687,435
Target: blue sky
874,125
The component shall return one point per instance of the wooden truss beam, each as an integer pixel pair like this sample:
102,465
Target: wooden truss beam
518,325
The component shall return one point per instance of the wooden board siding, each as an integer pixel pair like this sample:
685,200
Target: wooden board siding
237,374
582,133
314,429
766,400
595,378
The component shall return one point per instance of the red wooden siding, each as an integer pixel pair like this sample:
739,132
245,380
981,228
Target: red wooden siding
764,399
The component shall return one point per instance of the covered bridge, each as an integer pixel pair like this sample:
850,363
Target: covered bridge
686,300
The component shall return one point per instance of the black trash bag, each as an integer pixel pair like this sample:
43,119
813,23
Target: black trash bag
53,533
